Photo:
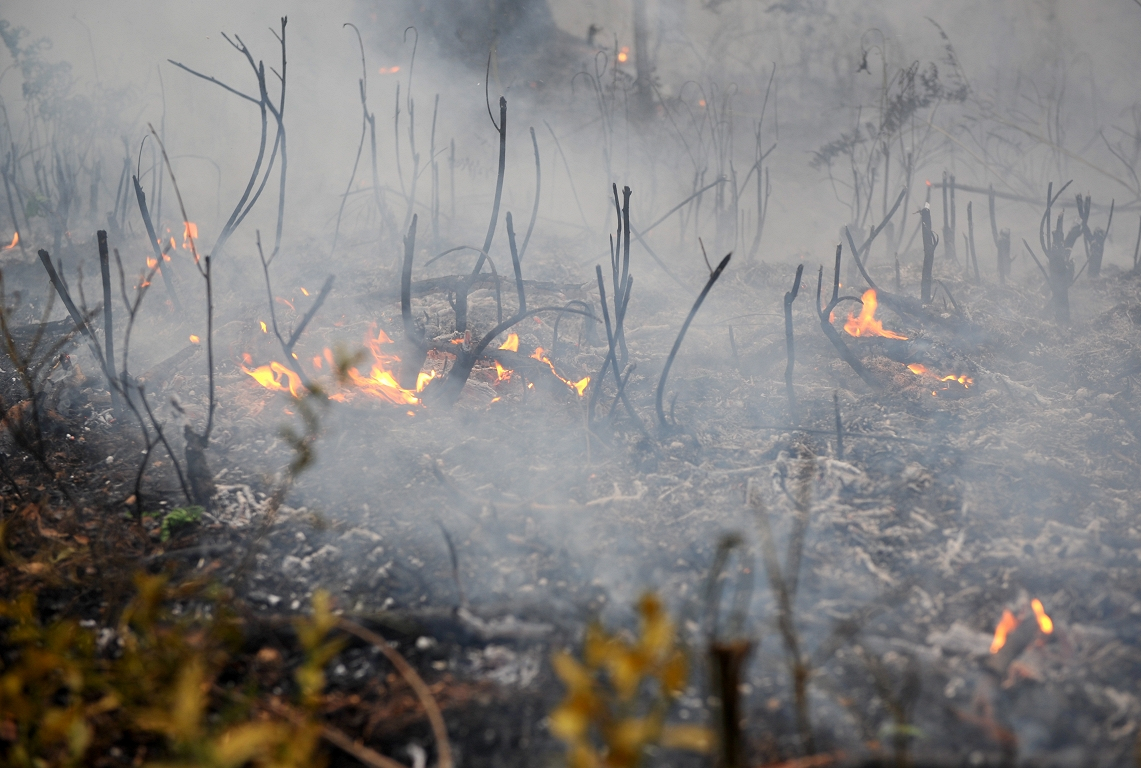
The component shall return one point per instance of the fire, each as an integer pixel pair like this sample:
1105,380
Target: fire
14,243
921,370
866,324
388,70
151,262
286,302
270,377
264,329
1006,625
194,339
578,386
305,292
380,381
624,54
501,373
1009,622
512,343
189,232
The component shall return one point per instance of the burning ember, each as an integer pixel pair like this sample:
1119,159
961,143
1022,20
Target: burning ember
14,243
1009,622
866,324
624,54
189,232
194,339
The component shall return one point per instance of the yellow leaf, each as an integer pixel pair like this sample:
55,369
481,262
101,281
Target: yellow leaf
574,675
673,675
243,743
189,701
694,738
570,723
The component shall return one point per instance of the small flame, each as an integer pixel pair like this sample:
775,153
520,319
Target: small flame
286,302
388,70
189,233
194,339
501,373
151,262
917,368
172,245
512,343
624,55
263,327
305,292
578,386
921,370
1006,625
1045,623
866,324
380,381
14,243
270,377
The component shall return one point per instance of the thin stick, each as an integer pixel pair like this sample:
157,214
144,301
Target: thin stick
681,335
415,682
538,188
839,427
790,347
108,326
142,200
929,242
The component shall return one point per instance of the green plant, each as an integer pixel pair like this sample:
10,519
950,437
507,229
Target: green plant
176,519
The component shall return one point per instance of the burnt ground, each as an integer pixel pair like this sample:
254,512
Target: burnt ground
948,505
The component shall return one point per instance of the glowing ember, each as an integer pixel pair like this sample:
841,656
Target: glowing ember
624,54
14,243
151,262
305,292
189,232
1045,623
512,343
917,368
263,328
194,339
1006,625
866,324
388,70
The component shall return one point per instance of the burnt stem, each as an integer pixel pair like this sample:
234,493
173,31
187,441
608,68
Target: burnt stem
839,427
461,291
681,335
141,197
826,323
414,351
535,206
929,243
789,342
521,295
971,242
108,326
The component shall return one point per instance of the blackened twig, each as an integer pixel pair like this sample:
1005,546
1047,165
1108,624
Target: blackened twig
790,347
839,427
825,316
681,335
108,325
166,278
929,242
538,188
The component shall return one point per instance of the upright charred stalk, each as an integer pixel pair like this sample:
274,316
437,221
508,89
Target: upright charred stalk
1001,241
971,254
681,335
949,221
108,325
929,243
413,350
790,346
462,290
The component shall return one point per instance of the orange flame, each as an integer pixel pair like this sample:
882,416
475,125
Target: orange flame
305,291
1009,622
1006,625
921,370
578,386
512,343
866,324
501,373
189,232
264,329
270,377
286,302
1045,623
624,54
151,262
380,381
194,339
388,70
14,243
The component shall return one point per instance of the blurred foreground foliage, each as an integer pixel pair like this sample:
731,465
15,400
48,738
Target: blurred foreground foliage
167,686
619,694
